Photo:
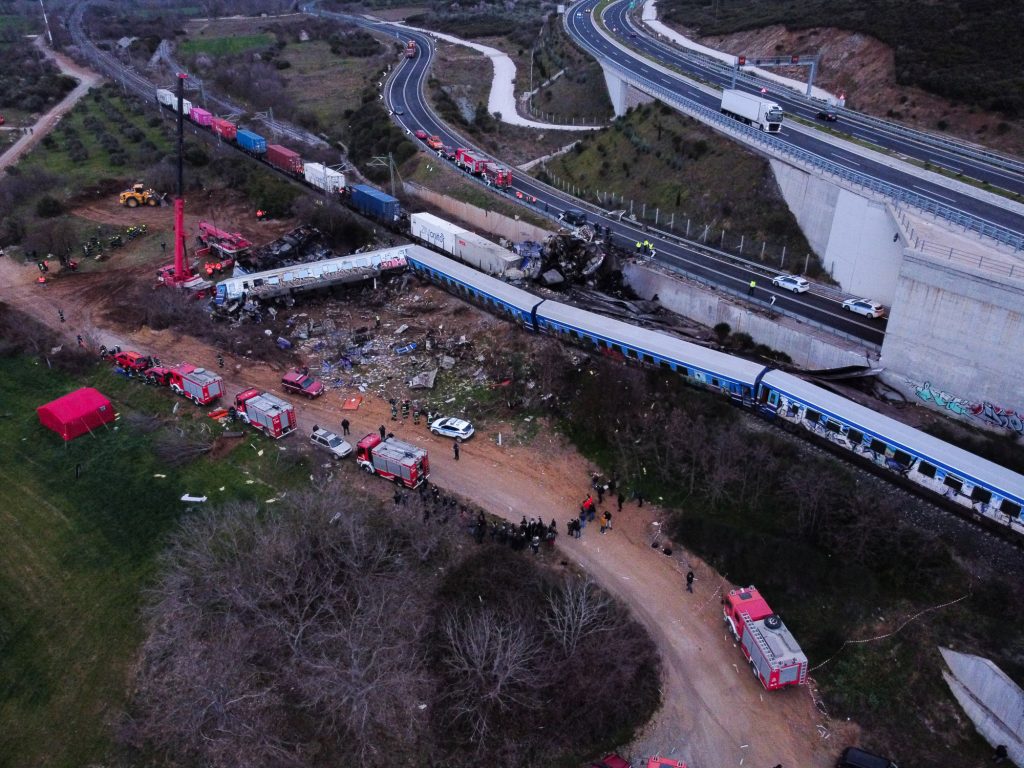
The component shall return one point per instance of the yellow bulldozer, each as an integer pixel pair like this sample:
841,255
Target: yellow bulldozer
139,195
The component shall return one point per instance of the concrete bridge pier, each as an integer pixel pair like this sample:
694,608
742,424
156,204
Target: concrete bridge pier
622,94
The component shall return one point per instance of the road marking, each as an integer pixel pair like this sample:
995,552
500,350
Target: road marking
844,158
936,194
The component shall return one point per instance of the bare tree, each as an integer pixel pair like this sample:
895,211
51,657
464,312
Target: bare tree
492,668
576,611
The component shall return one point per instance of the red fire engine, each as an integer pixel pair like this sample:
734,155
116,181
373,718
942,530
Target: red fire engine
393,459
197,384
771,649
498,176
466,160
265,412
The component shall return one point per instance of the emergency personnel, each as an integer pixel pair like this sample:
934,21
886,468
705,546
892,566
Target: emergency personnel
750,290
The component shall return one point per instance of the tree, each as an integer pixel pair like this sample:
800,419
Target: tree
576,611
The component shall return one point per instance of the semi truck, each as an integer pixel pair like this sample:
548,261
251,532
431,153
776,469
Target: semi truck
199,385
464,245
752,110
773,653
375,203
284,159
324,178
264,411
393,459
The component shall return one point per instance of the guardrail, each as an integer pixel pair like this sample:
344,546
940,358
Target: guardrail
960,148
953,215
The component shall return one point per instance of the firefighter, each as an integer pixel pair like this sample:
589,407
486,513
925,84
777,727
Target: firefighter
394,412
60,314
405,410
220,360
751,287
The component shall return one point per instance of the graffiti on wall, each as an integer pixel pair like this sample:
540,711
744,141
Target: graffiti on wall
990,414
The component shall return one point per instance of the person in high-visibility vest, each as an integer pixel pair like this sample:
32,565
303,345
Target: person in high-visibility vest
750,290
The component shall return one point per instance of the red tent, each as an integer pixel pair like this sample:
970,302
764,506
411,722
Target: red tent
76,413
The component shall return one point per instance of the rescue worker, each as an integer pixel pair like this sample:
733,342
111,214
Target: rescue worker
220,360
753,285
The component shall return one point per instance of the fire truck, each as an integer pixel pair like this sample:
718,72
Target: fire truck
393,459
265,412
132,363
497,175
466,160
197,384
410,49
773,653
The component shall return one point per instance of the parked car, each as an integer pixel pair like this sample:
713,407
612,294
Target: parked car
301,383
460,429
793,283
447,152
399,111
828,115
855,757
420,134
612,761
330,442
864,307
434,142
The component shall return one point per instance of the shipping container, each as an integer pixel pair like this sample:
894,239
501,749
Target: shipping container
373,202
251,142
285,159
322,177
186,107
467,246
223,128
200,116
165,97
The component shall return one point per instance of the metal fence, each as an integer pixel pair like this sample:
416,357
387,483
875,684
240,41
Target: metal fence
781,148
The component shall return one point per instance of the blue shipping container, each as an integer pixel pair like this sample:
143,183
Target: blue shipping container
375,203
251,142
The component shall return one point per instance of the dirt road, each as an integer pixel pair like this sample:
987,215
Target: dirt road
714,714
86,80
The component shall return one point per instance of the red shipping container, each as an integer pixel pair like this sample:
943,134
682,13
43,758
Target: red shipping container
284,158
223,128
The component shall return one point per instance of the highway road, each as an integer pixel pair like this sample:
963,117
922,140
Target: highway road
405,91
959,157
583,28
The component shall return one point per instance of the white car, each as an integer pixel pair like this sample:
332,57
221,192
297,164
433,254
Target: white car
864,307
330,442
460,429
793,283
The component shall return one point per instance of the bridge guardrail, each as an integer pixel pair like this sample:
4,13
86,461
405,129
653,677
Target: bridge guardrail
953,215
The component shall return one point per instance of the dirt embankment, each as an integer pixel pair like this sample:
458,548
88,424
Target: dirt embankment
864,68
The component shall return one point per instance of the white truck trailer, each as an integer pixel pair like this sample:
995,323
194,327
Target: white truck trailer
464,245
752,110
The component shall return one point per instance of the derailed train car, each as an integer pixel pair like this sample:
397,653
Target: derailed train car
978,488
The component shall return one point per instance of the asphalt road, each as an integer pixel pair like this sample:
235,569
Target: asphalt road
405,91
582,26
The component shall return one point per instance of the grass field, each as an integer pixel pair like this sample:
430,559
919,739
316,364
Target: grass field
326,85
77,553
117,117
225,46
13,24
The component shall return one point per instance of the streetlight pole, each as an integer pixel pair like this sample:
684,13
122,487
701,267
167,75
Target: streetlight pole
46,23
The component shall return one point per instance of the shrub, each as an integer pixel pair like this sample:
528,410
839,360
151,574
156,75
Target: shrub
48,207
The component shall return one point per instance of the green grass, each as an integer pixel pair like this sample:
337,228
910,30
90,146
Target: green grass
326,85
12,24
77,554
225,46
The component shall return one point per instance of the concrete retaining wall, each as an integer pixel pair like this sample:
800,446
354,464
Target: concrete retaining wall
710,308
959,334
497,224
853,235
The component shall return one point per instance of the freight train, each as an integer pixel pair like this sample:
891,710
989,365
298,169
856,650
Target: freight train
968,484
368,201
